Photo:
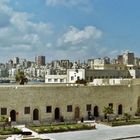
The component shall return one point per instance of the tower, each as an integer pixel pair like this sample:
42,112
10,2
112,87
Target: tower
40,60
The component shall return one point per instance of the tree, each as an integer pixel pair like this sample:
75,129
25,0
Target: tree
3,121
81,81
127,117
107,111
21,78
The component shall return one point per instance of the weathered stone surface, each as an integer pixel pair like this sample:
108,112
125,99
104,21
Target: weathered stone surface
16,97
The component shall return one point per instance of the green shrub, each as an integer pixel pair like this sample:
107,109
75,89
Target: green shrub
3,119
61,128
11,130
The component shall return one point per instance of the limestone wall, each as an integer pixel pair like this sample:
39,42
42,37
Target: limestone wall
39,96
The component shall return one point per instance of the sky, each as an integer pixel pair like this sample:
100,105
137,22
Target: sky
68,29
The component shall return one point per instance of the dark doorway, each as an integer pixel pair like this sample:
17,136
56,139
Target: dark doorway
35,115
57,114
77,113
138,102
13,115
120,110
96,111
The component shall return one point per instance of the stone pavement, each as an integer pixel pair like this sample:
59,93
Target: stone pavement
24,129
131,132
34,134
102,132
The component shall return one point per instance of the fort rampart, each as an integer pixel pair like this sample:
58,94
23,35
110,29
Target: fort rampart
29,103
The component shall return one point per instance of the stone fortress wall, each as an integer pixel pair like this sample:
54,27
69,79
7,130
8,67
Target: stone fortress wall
14,99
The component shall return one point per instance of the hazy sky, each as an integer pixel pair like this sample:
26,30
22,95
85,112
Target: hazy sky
68,29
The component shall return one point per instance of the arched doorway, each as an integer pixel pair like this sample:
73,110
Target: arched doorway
96,111
13,115
120,110
138,103
35,114
57,114
77,113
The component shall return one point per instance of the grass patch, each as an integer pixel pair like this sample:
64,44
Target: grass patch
130,122
61,128
9,131
122,122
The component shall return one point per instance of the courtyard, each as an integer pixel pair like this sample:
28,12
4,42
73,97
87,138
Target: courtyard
102,132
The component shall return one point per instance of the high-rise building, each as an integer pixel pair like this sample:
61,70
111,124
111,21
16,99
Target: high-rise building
128,58
65,64
16,60
120,59
40,60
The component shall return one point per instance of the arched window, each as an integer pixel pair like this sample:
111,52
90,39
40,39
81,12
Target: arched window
138,103
96,111
77,112
35,114
91,78
120,110
57,114
13,115
72,78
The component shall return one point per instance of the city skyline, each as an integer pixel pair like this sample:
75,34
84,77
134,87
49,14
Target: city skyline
68,29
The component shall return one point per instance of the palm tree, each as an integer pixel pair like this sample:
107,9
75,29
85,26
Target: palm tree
107,111
21,78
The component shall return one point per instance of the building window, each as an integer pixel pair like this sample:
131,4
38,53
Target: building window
88,107
72,78
78,78
111,105
61,80
69,108
48,109
3,111
55,80
91,79
87,78
120,110
49,80
27,110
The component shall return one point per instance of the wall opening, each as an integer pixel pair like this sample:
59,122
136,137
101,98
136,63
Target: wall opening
96,111
57,114
77,113
13,115
138,103
120,110
35,114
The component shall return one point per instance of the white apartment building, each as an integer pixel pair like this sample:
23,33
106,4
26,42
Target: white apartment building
71,76
75,74
118,81
55,78
12,72
128,58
